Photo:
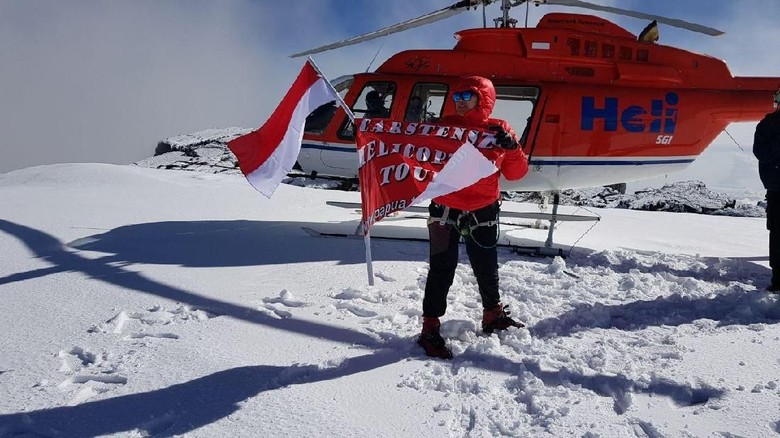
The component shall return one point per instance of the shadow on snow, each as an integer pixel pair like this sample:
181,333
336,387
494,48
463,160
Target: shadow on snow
196,403
50,249
228,243
735,308
179,408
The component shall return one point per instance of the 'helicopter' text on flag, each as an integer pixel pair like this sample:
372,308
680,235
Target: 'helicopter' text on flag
266,155
405,163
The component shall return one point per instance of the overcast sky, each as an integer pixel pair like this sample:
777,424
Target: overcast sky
104,81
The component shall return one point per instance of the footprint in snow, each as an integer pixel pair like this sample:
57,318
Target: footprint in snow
347,295
90,373
384,277
355,294
155,315
279,313
355,310
285,298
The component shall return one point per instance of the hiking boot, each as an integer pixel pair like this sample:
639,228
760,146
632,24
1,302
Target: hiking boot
498,318
431,341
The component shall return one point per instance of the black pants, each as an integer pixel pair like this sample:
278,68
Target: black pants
481,249
773,225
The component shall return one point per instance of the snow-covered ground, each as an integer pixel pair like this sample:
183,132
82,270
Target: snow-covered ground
144,302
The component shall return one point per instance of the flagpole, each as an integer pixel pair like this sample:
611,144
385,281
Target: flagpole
351,115
339,100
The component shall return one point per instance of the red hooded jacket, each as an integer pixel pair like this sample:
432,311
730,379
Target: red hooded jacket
513,165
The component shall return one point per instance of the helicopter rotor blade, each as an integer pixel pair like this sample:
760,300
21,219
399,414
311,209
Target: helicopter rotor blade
665,20
441,14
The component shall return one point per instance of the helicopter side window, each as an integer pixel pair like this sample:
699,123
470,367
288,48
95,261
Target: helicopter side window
516,105
591,49
375,102
642,55
607,50
426,102
318,120
574,46
625,53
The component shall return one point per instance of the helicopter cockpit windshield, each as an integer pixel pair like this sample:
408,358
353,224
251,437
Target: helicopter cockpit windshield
426,102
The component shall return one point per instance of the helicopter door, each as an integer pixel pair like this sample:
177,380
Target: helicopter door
516,105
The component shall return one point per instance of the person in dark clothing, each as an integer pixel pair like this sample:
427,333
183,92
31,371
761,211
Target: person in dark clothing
414,111
376,106
766,147
470,213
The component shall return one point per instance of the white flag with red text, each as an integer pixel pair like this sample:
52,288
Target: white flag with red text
266,155
406,163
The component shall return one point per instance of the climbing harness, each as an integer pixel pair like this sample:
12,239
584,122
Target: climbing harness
465,223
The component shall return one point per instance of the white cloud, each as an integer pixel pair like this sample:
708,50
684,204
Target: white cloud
104,81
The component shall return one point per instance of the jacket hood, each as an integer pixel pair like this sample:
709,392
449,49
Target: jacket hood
486,93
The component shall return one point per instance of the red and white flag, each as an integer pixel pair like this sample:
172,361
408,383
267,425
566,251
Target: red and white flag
266,155
406,163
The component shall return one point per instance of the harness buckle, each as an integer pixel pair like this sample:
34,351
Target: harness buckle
466,223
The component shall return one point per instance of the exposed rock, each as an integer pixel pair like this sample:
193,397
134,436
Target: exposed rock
681,197
162,148
202,151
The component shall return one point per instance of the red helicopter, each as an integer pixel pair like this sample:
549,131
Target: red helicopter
593,103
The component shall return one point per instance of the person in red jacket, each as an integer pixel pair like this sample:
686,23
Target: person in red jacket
471,213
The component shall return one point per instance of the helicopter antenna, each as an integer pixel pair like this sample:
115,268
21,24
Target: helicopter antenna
374,58
527,7
733,139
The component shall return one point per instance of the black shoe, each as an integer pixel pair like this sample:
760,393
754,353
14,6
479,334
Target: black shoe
498,318
434,346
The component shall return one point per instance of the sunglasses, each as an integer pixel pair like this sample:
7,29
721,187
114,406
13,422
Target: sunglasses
462,95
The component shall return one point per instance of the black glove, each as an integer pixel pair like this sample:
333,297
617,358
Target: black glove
503,139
